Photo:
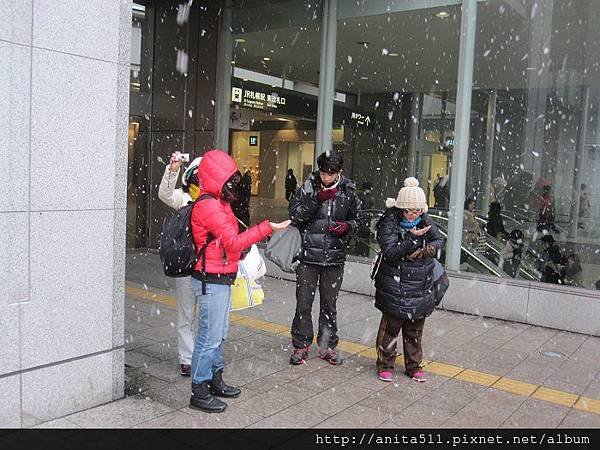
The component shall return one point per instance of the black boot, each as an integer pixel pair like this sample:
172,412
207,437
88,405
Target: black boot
220,389
202,399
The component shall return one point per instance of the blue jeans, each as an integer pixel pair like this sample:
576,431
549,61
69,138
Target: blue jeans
213,322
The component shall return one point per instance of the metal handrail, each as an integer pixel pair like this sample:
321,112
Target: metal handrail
468,250
496,246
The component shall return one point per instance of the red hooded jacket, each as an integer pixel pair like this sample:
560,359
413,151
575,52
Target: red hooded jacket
215,216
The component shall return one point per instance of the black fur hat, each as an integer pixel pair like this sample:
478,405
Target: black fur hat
331,162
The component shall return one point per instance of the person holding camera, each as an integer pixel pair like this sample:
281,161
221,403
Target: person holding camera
326,210
186,301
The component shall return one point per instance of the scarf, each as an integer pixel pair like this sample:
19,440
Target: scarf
405,224
194,191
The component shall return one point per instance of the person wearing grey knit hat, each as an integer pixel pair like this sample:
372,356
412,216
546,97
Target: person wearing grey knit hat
404,290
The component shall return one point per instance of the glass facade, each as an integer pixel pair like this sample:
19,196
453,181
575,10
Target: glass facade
138,187
171,102
274,97
531,160
532,167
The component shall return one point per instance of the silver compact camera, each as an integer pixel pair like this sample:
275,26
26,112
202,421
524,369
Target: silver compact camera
184,157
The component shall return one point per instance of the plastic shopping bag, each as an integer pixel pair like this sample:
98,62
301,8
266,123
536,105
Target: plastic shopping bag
253,264
245,292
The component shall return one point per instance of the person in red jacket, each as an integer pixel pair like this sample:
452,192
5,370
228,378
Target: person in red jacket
215,232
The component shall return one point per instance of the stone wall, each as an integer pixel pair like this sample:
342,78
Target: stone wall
64,99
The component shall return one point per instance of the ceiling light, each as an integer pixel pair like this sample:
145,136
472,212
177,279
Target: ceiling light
364,78
266,58
239,40
393,54
442,14
363,43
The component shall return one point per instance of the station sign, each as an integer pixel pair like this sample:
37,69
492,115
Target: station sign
257,99
257,96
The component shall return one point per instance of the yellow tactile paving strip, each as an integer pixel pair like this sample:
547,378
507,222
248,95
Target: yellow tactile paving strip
515,386
147,294
472,376
445,370
588,404
554,396
439,368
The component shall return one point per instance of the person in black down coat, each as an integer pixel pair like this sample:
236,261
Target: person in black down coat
326,210
409,241
495,224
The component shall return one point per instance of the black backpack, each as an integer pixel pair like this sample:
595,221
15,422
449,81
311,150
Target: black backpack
177,250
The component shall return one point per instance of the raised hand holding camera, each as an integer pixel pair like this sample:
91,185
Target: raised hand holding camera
177,159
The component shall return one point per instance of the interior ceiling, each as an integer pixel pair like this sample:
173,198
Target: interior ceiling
428,48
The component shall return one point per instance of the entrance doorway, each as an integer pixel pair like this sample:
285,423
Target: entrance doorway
438,168
268,146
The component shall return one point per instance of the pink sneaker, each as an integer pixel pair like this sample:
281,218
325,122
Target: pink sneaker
419,377
386,375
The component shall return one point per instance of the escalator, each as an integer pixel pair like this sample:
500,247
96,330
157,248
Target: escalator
489,261
472,260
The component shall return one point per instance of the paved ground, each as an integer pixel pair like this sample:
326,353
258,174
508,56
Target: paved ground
482,373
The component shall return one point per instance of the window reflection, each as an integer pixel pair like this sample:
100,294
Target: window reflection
276,54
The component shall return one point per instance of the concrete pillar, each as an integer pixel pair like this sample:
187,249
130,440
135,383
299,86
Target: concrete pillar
414,129
539,78
64,102
460,154
326,78
224,70
486,172
579,153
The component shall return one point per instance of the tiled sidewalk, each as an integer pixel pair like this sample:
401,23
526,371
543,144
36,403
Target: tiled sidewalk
276,394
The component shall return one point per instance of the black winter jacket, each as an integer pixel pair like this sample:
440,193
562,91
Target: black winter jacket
313,218
404,289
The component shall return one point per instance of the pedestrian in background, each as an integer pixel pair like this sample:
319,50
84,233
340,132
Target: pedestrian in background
495,225
471,230
409,240
512,253
186,300
584,206
573,271
441,192
216,234
326,210
290,184
241,204
363,236
553,262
